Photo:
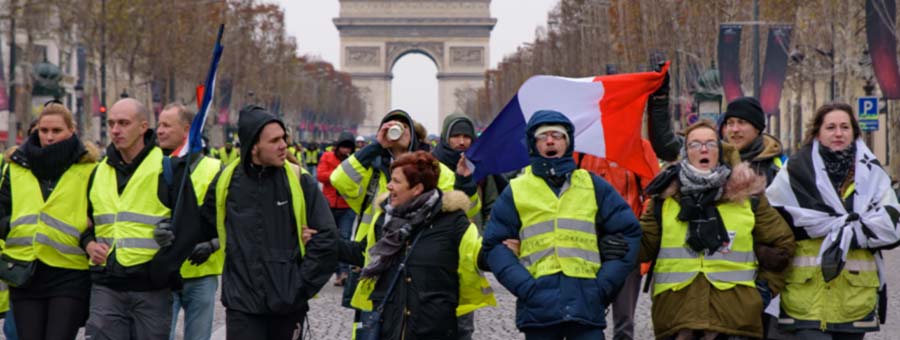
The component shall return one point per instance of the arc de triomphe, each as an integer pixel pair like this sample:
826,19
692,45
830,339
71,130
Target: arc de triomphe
455,34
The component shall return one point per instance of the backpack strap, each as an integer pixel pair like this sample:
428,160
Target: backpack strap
168,173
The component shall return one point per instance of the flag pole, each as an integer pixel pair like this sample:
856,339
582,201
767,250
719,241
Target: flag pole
197,124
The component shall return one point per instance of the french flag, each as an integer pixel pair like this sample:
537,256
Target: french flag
194,141
607,113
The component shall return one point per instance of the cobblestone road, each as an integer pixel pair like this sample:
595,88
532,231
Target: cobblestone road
327,320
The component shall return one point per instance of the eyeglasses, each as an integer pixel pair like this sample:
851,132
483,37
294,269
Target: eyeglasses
555,134
710,145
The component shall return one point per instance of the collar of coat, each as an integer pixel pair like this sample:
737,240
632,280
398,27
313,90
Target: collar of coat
452,201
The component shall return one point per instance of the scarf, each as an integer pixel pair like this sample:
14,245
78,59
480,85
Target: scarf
399,224
837,163
699,193
447,155
756,147
805,192
554,170
51,161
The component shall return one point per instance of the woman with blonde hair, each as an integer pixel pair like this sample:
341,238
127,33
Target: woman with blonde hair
43,211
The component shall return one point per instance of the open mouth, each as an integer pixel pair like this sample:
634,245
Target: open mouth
704,161
552,153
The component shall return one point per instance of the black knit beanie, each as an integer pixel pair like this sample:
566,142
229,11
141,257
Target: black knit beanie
746,108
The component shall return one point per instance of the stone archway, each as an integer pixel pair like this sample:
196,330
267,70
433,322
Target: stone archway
455,34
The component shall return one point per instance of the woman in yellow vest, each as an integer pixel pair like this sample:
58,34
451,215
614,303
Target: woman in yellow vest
44,199
435,284
843,212
701,228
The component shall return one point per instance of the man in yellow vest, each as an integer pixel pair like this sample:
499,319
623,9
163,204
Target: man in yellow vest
579,239
229,153
201,271
262,207
311,156
135,248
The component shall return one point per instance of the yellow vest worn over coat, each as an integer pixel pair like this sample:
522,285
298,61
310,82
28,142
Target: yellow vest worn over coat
202,178
126,222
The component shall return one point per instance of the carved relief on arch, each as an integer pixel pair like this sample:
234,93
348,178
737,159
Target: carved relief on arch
467,56
395,49
363,56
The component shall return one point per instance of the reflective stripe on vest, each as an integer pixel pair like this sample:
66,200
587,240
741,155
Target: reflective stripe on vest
297,199
558,234
201,178
677,266
126,222
850,297
49,231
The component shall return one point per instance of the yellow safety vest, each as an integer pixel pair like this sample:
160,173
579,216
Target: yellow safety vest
677,266
4,289
558,234
126,222
312,156
228,157
848,298
297,199
202,178
49,230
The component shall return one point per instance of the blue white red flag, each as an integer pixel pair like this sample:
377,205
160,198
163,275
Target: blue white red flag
194,141
607,112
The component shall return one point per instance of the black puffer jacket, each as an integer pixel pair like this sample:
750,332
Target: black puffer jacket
264,272
423,304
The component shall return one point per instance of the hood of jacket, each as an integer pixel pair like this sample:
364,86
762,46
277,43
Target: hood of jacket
742,183
251,121
452,120
540,165
346,139
771,148
404,117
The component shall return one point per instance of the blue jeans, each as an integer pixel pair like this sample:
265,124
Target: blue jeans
344,218
199,300
9,325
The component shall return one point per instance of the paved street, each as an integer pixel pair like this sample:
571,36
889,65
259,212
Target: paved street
327,320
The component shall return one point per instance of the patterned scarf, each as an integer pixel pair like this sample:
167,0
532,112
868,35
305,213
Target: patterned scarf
699,193
838,163
399,224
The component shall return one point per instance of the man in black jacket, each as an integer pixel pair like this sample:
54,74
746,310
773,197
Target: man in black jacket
134,247
263,209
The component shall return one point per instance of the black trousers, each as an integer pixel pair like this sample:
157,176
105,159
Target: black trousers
239,326
56,318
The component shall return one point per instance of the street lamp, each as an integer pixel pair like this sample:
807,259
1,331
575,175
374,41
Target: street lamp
124,94
79,106
706,98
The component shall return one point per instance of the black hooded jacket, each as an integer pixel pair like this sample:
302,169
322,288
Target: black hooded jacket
264,272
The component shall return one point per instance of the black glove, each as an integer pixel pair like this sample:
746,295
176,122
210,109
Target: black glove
613,247
163,234
663,90
202,251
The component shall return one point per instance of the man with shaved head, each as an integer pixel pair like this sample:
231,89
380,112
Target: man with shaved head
134,253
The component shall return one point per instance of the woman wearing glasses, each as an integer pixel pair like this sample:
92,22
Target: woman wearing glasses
43,204
700,230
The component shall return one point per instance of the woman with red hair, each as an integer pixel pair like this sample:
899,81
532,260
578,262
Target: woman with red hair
422,264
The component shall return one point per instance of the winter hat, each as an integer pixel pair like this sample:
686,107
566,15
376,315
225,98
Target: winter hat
545,128
462,127
746,108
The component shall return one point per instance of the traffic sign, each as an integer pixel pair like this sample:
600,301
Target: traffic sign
868,113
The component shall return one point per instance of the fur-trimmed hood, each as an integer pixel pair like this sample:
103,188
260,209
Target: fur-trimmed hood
451,201
742,183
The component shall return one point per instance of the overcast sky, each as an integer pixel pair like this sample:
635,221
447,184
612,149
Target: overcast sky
414,87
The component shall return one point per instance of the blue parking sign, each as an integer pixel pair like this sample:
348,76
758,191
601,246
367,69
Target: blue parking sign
868,113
